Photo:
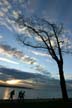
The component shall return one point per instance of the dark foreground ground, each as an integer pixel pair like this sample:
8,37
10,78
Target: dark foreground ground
36,103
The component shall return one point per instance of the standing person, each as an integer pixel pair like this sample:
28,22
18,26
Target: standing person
23,95
12,93
20,95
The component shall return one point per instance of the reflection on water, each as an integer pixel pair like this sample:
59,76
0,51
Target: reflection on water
6,93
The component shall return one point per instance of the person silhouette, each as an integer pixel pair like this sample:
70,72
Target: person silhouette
21,95
12,93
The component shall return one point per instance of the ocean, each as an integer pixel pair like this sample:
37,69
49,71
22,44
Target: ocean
33,93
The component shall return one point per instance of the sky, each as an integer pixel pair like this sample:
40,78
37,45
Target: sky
13,55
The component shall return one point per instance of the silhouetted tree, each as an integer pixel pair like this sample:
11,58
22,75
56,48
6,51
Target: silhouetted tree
47,36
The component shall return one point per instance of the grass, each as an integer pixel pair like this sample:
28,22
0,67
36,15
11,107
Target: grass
36,103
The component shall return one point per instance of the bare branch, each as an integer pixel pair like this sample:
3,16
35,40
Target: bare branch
30,45
52,52
58,43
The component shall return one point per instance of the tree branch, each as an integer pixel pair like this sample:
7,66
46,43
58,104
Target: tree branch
30,45
53,54
58,43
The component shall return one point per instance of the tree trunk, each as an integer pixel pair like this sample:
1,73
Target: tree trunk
62,82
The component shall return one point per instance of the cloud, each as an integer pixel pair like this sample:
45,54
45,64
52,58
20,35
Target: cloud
1,14
9,24
24,83
41,54
4,7
4,10
67,41
7,14
38,39
17,74
68,76
24,79
7,60
10,52
41,69
31,6
15,14
5,2
1,37
11,10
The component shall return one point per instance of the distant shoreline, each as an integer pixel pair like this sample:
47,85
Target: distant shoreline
12,86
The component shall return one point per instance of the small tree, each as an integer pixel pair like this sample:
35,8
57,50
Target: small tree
47,36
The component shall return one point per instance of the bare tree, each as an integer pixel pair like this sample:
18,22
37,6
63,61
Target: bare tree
41,34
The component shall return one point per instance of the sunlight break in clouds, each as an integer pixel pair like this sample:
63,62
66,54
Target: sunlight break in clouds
13,81
7,60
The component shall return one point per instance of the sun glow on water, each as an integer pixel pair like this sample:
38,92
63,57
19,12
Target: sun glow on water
6,93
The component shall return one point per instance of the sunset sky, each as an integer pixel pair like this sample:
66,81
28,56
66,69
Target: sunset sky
13,55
